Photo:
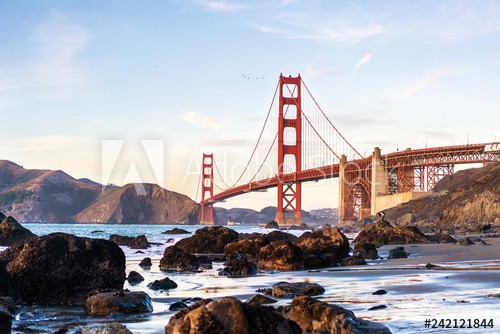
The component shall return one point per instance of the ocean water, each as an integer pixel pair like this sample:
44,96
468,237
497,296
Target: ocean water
414,293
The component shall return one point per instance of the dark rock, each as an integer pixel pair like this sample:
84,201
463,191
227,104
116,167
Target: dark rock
249,247
208,240
145,263
272,224
299,227
96,231
12,233
290,290
8,303
229,315
62,268
466,242
139,242
431,266
281,255
261,299
6,317
367,251
179,316
353,261
325,241
280,235
383,233
176,259
479,241
378,307
121,240
314,316
397,253
176,230
114,328
311,261
118,301
379,292
177,306
441,238
163,284
134,278
6,284
238,266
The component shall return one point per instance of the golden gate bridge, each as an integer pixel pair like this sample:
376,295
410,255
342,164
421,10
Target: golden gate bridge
299,143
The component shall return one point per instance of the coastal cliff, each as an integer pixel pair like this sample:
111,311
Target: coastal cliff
468,200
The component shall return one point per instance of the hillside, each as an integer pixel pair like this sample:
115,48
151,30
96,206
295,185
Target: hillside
466,200
126,205
53,196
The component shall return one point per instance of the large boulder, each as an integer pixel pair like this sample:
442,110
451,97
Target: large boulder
6,284
175,259
367,251
114,328
290,290
229,315
163,284
7,309
118,301
281,255
237,266
139,242
208,240
13,233
384,233
62,268
329,244
314,316
248,248
280,235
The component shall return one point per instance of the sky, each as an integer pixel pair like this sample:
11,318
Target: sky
128,91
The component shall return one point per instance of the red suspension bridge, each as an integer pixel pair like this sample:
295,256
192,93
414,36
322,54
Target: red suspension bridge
299,143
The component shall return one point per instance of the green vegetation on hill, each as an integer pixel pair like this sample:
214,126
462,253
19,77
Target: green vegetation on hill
14,197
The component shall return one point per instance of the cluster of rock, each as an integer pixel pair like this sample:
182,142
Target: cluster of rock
63,269
245,253
304,315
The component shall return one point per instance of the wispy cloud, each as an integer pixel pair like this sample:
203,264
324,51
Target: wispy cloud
202,120
53,65
221,6
58,43
423,83
363,61
321,31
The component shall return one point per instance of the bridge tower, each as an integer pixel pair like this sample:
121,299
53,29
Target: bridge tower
207,190
289,150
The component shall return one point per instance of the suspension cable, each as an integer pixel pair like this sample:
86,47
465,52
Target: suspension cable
329,119
260,136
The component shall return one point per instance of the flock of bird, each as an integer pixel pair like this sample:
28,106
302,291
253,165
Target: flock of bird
247,77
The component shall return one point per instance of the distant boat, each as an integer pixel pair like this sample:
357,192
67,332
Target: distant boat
229,223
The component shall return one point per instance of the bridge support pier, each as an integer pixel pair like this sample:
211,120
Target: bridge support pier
289,151
207,190
379,181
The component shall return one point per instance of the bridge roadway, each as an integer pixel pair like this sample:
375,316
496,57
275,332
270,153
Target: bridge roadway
461,154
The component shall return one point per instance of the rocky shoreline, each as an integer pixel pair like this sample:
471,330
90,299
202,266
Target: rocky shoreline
62,269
